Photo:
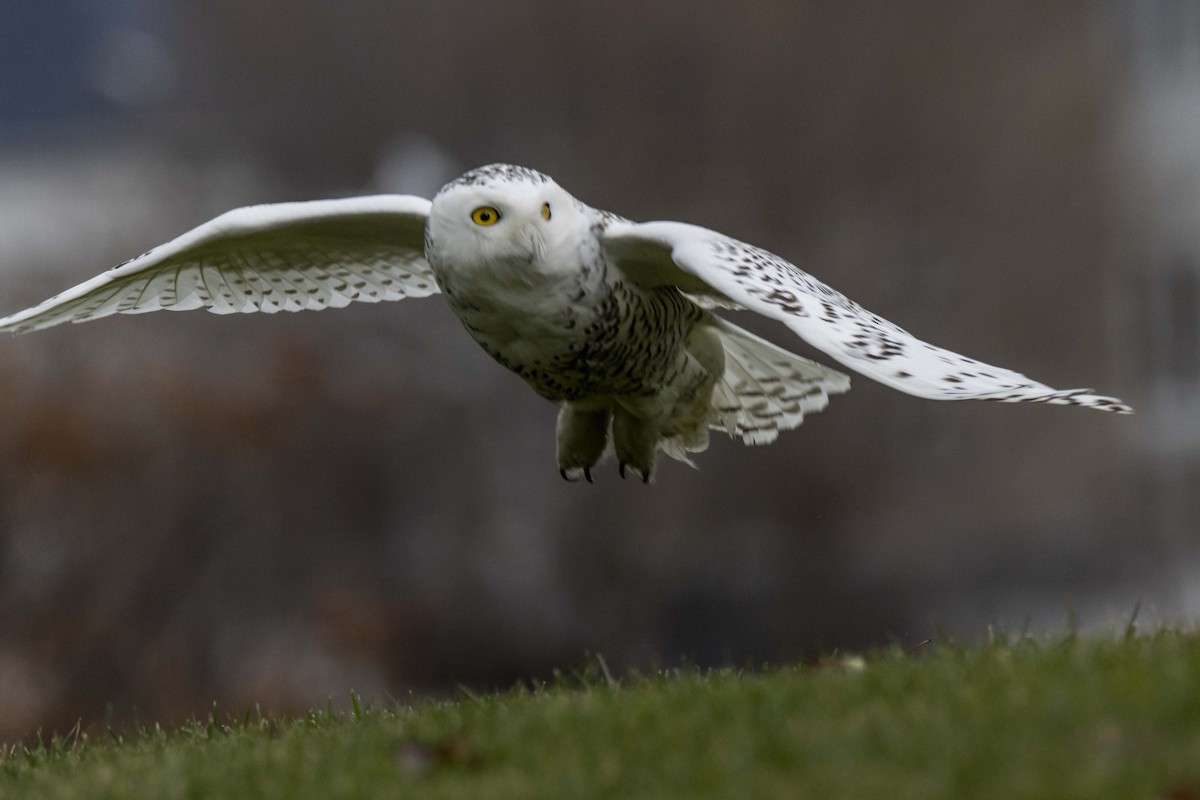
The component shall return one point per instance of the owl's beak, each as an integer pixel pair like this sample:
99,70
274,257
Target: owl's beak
533,244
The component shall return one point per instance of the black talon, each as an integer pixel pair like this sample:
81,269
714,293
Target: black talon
563,472
621,469
587,473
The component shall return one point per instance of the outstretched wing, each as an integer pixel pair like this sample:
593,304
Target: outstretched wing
278,257
703,262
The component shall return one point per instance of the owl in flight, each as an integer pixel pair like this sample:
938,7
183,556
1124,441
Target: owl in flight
610,319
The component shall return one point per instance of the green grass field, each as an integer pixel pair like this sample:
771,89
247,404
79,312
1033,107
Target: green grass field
1068,718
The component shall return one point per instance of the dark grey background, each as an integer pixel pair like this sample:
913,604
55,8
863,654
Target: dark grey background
277,510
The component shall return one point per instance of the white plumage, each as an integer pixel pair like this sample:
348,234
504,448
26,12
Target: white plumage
613,320
281,257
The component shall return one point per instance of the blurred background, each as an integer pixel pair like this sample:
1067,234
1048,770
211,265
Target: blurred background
277,510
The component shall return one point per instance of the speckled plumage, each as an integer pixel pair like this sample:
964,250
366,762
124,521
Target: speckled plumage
611,319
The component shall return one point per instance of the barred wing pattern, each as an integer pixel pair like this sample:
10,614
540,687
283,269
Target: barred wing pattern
766,389
269,258
700,261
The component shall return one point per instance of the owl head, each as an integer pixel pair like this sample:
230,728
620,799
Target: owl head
503,215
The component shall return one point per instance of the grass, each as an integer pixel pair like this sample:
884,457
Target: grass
1117,717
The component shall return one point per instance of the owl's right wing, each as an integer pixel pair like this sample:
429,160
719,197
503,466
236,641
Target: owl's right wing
702,262
277,257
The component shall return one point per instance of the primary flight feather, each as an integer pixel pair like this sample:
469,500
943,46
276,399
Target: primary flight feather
611,319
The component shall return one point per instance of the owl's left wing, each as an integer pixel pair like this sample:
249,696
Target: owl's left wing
276,257
703,262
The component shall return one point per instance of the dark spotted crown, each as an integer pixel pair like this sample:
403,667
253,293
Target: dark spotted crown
497,173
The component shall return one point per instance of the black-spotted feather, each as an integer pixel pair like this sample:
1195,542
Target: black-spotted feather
701,261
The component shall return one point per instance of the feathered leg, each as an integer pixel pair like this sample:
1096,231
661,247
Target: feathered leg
582,435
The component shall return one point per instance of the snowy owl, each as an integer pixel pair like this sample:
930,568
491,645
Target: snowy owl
610,319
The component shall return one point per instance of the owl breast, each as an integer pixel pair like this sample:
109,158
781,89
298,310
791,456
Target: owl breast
587,336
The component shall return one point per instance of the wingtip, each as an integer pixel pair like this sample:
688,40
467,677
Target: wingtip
1062,397
1099,402
1113,404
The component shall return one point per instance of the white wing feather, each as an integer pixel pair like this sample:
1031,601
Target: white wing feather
765,389
270,258
703,262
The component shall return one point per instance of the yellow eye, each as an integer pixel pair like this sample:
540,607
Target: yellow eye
545,211
485,215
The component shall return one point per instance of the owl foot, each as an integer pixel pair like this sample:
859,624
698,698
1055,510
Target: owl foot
645,476
575,473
